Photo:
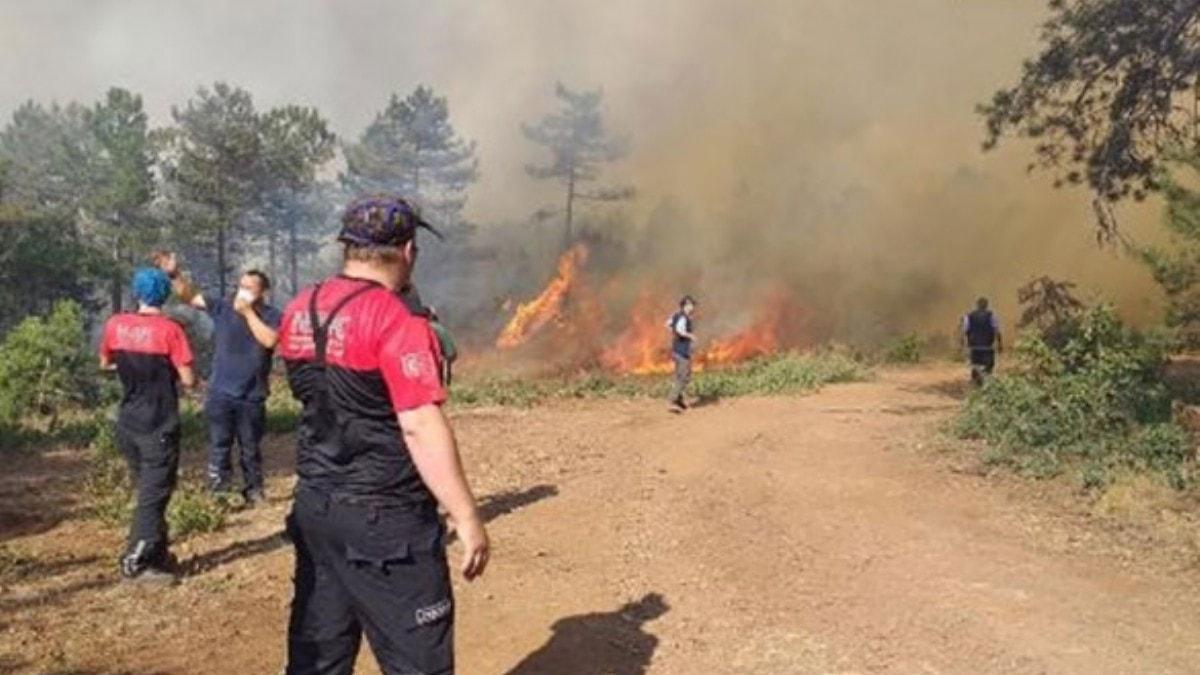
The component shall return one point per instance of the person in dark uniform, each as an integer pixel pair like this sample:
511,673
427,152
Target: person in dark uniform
982,339
376,456
682,337
151,356
245,330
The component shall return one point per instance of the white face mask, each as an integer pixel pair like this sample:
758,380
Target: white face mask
245,296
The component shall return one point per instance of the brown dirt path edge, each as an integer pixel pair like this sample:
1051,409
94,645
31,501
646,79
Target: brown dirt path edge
775,535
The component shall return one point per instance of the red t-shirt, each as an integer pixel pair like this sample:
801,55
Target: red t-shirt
380,359
148,350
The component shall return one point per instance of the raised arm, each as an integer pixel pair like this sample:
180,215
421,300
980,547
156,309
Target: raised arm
168,262
435,453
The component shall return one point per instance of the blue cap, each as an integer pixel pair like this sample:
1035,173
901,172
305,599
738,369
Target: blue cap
151,286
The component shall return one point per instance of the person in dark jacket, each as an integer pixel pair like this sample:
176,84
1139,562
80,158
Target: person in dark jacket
682,337
982,339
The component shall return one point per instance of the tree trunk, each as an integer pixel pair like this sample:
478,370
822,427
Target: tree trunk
568,234
116,293
272,238
118,285
221,258
293,255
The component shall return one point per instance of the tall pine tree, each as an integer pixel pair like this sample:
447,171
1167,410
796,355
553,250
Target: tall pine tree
411,148
579,146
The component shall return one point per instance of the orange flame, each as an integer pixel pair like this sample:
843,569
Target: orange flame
642,348
532,316
760,339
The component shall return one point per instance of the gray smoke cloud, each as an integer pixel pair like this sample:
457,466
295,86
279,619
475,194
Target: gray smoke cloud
828,145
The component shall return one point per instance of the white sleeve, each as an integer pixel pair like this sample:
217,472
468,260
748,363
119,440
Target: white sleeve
681,326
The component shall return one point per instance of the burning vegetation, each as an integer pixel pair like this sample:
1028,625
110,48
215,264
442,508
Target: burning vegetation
637,342
531,317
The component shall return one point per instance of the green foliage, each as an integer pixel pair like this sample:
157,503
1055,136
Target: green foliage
107,485
283,410
517,393
1097,402
1101,100
905,349
15,564
193,510
122,186
43,366
412,148
1177,268
779,374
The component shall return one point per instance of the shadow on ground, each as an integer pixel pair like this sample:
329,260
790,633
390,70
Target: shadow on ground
602,643
504,503
39,491
233,552
957,389
490,507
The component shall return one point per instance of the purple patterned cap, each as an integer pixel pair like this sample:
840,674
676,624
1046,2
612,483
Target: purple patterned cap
381,220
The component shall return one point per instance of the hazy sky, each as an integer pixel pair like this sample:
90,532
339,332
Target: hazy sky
840,131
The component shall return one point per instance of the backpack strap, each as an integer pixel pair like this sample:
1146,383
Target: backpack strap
320,329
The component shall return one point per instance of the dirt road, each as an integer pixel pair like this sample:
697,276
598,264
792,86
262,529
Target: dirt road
783,535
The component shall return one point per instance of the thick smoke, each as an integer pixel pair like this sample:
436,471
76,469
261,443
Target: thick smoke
828,146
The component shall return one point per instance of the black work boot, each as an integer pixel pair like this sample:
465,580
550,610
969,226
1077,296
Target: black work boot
254,497
136,570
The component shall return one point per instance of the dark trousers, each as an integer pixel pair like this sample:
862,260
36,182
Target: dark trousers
153,459
683,375
374,570
983,358
242,420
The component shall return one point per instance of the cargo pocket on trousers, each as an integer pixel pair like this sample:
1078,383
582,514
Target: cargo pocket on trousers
382,558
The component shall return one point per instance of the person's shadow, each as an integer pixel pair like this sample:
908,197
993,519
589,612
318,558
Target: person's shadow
602,643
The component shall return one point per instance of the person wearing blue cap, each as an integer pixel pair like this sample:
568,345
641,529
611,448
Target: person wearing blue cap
375,459
244,336
152,358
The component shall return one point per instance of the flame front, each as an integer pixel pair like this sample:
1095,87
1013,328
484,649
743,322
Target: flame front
760,339
532,316
642,348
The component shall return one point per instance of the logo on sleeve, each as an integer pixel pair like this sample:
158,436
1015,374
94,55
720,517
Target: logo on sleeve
418,365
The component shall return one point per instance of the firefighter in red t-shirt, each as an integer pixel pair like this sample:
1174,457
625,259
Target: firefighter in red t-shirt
375,458
151,356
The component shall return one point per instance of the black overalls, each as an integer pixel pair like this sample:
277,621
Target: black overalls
368,564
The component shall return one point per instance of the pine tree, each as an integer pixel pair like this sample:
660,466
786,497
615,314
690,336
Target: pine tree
579,146
411,148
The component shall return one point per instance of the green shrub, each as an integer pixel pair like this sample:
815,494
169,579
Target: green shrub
194,510
45,367
107,486
905,349
779,374
498,391
1095,400
283,410
110,494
